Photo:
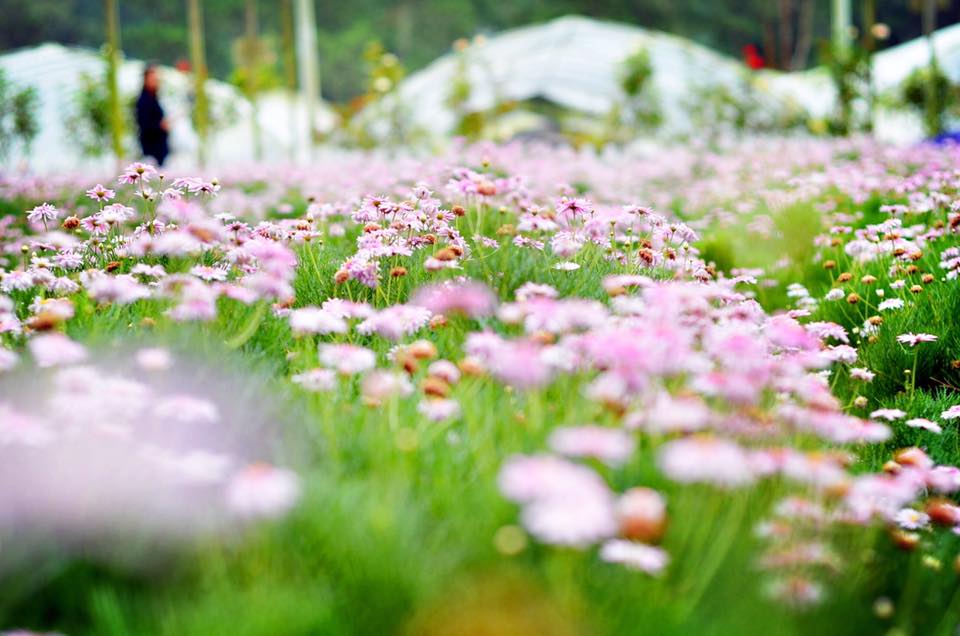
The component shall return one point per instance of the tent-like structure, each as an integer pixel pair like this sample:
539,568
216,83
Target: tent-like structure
575,63
57,73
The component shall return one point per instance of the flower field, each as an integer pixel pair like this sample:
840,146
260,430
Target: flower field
502,390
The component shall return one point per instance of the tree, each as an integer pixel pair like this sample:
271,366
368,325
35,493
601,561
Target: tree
112,54
289,69
18,121
306,29
199,63
251,57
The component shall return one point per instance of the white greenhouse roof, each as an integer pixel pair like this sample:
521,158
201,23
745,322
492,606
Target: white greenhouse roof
575,62
56,72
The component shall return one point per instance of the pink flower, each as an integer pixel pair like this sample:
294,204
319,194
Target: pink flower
564,503
22,429
316,380
43,213
100,193
445,370
528,478
668,414
395,322
864,375
636,556
347,359
313,320
824,330
609,445
706,459
469,298
951,413
910,519
577,521
347,308
919,422
535,290
379,386
519,363
439,410
154,359
186,409
944,479
913,339
8,359
888,414
55,349
198,302
137,171
122,290
261,490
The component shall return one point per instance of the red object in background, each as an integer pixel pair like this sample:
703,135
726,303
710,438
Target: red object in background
183,65
752,57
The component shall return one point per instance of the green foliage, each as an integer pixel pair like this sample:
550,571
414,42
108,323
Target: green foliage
636,72
850,72
641,107
18,119
256,69
88,120
384,72
930,92
719,109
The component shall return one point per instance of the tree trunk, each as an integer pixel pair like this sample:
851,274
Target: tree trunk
801,53
307,63
932,109
113,90
785,11
199,63
770,45
253,64
289,70
840,27
869,45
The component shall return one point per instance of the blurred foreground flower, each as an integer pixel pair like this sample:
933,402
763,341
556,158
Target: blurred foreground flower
128,448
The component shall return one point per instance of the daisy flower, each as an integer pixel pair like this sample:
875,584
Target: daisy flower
919,422
316,380
913,339
43,213
951,413
347,359
890,304
100,193
609,445
910,519
636,556
888,414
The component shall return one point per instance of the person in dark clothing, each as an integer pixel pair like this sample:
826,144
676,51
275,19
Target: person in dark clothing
153,126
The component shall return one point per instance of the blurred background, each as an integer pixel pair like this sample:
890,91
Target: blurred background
247,80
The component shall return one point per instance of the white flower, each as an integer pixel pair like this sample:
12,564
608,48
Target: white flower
890,303
919,422
260,490
636,556
910,519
